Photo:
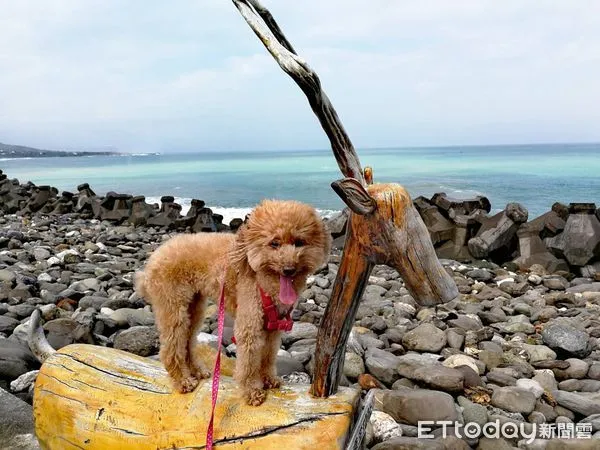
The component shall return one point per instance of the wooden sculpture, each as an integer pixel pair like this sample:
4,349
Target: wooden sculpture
89,397
384,227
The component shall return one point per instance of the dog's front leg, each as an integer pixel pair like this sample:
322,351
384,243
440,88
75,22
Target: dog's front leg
251,339
248,363
269,356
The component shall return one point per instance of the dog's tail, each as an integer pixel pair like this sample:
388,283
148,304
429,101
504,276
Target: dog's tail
140,285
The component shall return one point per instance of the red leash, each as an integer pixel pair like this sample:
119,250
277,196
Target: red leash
272,322
217,370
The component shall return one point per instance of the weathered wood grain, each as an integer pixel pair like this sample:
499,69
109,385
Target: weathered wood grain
97,398
264,26
393,234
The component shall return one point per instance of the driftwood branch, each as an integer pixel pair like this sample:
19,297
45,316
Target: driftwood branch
383,228
264,26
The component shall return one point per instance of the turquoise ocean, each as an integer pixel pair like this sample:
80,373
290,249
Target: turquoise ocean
231,183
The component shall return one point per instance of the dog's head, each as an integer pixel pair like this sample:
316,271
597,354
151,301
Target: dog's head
282,242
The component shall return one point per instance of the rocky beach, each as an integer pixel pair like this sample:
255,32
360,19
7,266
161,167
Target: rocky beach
520,345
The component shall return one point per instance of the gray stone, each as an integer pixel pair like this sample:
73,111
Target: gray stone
580,240
573,385
586,404
382,365
353,365
594,371
7,275
139,340
300,330
562,336
462,360
539,353
432,374
287,365
411,406
16,424
473,412
384,426
514,399
7,324
530,385
91,301
556,282
425,338
585,287
577,368
61,332
15,359
41,253
499,240
296,378
132,317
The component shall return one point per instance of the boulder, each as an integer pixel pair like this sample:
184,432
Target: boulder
16,424
15,359
413,405
579,243
190,218
205,221
465,228
87,200
464,207
12,196
234,224
440,228
38,200
64,204
168,213
499,242
337,224
140,211
115,207
532,249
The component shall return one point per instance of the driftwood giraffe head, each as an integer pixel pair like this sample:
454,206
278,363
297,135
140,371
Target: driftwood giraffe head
386,229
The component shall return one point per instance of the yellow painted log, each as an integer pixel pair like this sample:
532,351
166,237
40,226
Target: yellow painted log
97,398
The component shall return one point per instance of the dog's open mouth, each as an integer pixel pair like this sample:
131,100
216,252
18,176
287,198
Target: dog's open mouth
287,294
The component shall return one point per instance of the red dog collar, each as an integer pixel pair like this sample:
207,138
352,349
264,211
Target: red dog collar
271,318
272,322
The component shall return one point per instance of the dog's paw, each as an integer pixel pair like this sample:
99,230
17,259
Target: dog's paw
202,373
185,385
256,397
270,382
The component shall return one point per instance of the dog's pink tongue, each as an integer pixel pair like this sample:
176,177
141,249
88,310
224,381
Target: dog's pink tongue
287,295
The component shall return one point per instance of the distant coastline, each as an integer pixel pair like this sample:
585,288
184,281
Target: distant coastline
20,151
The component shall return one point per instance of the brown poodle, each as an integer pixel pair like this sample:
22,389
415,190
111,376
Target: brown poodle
280,245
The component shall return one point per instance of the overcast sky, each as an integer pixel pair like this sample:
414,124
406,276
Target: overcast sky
142,75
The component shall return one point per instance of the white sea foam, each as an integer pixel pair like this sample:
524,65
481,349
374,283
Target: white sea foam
12,159
228,213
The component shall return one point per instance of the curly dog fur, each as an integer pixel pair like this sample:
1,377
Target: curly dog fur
280,238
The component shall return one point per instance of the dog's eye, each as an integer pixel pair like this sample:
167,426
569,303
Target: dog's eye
299,243
275,244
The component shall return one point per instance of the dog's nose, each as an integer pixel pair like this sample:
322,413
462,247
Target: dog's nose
289,271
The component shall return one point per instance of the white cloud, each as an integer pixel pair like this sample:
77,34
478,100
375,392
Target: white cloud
192,75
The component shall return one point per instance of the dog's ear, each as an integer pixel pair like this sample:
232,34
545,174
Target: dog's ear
245,256
238,256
